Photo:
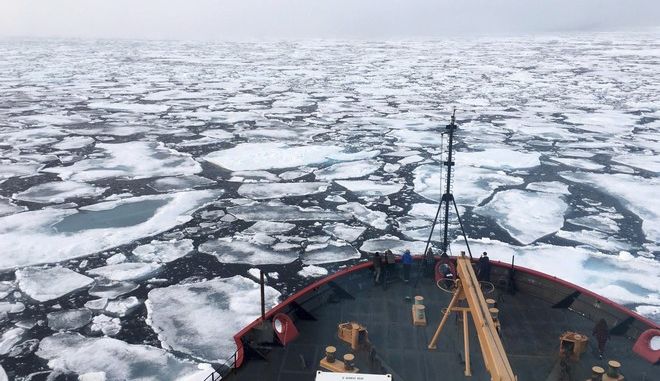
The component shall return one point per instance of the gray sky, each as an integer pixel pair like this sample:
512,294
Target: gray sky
256,19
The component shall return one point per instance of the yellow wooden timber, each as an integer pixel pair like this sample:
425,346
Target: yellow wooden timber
497,362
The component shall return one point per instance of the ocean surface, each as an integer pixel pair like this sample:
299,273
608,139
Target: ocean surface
144,184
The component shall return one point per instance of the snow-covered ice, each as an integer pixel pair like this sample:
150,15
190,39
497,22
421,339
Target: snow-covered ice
118,360
280,212
70,233
234,251
163,251
174,184
69,319
254,156
370,188
130,160
347,170
48,284
262,191
344,232
312,271
375,218
331,252
58,192
186,316
396,245
127,271
526,215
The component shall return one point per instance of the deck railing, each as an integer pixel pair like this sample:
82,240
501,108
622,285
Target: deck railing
223,369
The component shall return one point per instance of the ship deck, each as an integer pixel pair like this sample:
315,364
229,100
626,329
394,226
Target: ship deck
530,330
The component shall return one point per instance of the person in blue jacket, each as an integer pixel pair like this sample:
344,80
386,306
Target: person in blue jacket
407,261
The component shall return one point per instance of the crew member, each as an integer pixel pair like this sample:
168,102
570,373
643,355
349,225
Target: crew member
602,333
483,273
378,267
407,261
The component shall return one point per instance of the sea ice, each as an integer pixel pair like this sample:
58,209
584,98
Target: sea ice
122,307
269,227
47,284
128,271
648,162
175,184
109,326
109,289
163,251
331,252
73,142
604,274
142,108
186,316
281,212
58,192
246,252
70,233
365,215
10,338
549,187
130,160
312,271
499,158
470,188
72,352
634,192
344,232
261,191
348,170
595,239
370,188
526,215
7,207
254,156
69,319
395,244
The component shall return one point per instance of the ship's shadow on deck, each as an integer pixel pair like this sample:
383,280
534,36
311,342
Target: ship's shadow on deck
530,333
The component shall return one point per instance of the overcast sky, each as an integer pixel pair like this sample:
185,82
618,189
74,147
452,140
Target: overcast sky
257,19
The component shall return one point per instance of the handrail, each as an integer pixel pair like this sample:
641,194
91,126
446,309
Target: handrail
225,368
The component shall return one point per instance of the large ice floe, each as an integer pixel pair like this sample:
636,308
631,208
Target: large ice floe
276,211
58,192
262,191
54,235
375,218
470,188
333,251
635,192
43,285
370,188
228,250
347,170
164,251
622,278
117,360
254,156
130,160
201,318
526,215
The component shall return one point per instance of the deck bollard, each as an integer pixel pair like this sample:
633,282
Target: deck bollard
348,361
330,353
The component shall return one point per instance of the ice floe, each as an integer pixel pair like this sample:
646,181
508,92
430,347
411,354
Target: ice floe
73,142
54,235
175,184
43,285
622,278
370,188
163,251
72,352
107,325
344,232
499,158
269,227
235,251
398,246
526,215
69,319
273,211
331,252
365,215
130,160
255,156
186,316
347,170
58,192
7,207
312,271
634,192
262,191
127,271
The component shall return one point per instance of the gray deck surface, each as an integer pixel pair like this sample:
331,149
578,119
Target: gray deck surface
530,334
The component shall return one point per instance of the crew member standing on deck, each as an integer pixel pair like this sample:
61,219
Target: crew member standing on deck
407,261
378,267
484,268
602,333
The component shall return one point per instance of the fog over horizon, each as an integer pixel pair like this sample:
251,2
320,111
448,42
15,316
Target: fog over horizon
301,19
